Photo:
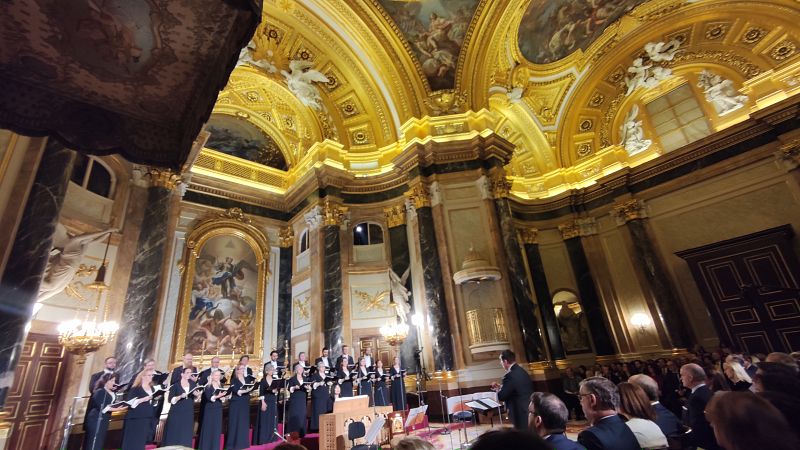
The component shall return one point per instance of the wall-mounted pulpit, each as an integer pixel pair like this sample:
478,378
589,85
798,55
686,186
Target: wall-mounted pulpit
751,286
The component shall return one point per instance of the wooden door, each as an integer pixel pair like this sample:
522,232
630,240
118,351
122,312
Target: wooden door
380,349
32,403
751,287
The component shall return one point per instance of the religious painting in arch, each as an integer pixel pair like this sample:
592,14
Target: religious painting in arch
435,31
223,290
240,138
552,30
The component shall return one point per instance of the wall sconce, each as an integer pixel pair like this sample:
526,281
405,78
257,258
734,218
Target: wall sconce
640,321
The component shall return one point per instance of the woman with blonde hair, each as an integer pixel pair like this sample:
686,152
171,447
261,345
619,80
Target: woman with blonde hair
138,427
740,380
635,406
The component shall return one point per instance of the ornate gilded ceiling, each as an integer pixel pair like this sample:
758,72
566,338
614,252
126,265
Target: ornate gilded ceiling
550,77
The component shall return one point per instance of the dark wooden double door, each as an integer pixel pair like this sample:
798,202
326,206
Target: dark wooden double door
751,286
32,402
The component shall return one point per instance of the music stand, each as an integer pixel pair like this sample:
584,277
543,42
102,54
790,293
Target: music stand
415,415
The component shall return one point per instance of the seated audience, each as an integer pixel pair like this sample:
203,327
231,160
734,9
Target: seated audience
668,422
693,377
509,438
745,421
783,358
739,378
600,400
547,417
635,406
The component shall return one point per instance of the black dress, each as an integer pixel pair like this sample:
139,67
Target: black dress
238,436
346,386
266,421
180,420
364,386
138,427
296,415
381,391
398,391
211,426
319,401
96,421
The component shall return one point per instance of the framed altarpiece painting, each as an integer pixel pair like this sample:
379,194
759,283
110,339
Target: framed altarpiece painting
224,274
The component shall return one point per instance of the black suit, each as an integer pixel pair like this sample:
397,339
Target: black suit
669,423
516,393
560,442
701,435
350,362
609,433
93,380
327,360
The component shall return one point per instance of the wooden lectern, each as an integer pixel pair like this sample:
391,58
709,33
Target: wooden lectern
333,426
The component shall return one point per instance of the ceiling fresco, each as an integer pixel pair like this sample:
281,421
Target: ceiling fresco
435,30
553,29
243,140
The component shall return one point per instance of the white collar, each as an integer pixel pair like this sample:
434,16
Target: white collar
697,387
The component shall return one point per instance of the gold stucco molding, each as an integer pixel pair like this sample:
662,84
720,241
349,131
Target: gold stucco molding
419,195
528,235
500,185
788,154
578,228
286,237
163,178
333,214
395,215
626,211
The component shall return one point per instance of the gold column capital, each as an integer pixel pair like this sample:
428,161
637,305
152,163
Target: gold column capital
628,210
789,154
528,235
333,214
395,215
163,178
578,228
500,185
419,195
286,237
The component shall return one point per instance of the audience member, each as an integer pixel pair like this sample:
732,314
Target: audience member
635,406
413,443
693,377
735,372
547,417
569,382
783,358
668,422
744,421
509,438
600,400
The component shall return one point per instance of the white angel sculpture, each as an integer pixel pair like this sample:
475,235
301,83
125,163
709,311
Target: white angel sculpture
662,51
720,92
400,293
631,134
65,259
300,80
246,57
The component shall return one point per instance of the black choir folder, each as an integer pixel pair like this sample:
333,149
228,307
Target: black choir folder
225,391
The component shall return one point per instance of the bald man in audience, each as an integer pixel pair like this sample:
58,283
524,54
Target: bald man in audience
693,377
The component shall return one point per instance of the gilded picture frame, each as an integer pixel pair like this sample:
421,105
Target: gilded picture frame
224,276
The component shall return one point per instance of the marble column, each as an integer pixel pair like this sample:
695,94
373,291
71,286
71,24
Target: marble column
633,216
529,237
520,288
332,299
401,260
286,242
437,318
135,341
19,285
590,299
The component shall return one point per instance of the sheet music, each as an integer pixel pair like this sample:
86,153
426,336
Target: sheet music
490,403
375,430
413,414
477,405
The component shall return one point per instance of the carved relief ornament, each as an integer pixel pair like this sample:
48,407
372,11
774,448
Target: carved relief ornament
629,210
528,235
419,195
500,185
163,178
333,214
395,215
578,228
286,237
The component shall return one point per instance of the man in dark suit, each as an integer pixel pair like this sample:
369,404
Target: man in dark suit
110,366
702,435
345,354
669,423
600,399
325,359
515,391
176,372
547,417
204,375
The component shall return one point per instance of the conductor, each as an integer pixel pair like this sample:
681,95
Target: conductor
515,391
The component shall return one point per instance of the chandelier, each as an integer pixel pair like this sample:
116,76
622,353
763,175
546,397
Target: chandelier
394,333
80,337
